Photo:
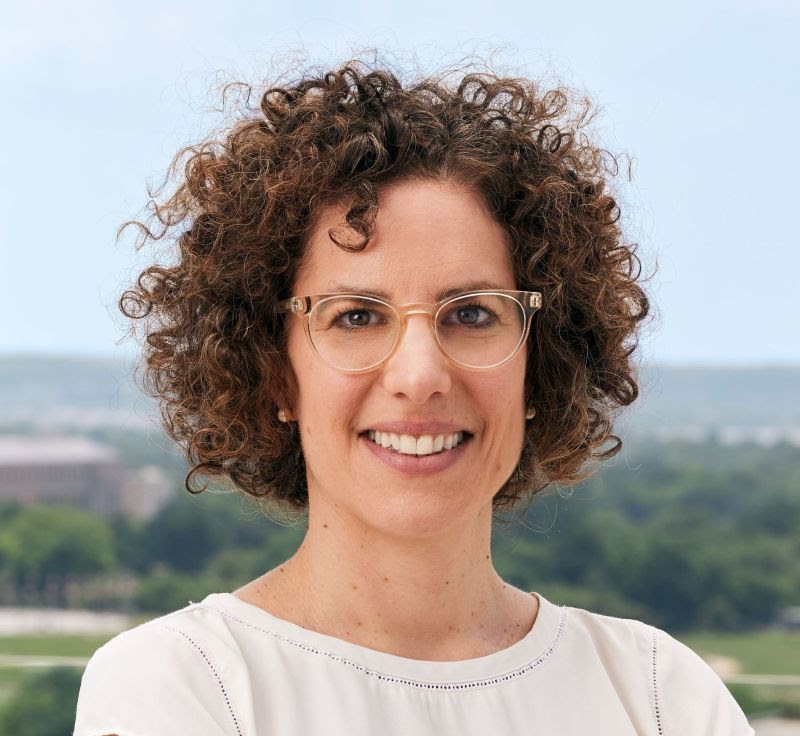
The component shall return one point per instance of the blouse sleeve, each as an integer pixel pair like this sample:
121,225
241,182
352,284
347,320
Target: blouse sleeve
689,697
154,680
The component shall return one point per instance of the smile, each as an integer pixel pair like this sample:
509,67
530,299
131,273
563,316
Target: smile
407,461
427,444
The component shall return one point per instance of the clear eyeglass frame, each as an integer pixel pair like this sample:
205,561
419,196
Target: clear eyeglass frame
529,301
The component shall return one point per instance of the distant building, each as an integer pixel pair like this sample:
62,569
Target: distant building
145,492
789,618
765,436
79,472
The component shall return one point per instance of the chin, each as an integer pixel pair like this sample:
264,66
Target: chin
423,513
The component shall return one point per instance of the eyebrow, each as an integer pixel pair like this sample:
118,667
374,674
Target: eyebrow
380,294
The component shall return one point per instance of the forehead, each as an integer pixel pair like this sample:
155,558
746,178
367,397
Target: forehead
428,237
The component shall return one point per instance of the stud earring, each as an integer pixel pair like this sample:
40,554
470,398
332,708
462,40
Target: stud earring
531,413
282,415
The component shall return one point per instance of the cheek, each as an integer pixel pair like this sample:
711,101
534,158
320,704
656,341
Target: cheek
503,396
329,402
314,381
504,390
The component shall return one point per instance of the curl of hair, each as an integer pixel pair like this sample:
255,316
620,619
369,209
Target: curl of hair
215,348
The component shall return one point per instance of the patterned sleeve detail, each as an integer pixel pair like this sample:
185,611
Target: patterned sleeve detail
654,693
214,672
688,697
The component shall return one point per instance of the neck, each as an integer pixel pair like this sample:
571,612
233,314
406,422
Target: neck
434,598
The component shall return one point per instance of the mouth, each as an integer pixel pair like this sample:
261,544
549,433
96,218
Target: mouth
417,445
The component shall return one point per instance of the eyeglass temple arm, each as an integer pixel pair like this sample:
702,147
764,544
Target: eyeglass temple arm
302,304
298,304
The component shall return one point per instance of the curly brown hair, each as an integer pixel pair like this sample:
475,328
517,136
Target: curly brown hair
215,349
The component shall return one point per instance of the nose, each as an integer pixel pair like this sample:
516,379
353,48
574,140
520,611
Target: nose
418,369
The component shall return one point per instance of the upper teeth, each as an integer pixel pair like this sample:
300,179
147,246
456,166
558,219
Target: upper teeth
407,444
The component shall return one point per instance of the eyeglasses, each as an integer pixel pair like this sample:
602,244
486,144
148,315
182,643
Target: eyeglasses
355,333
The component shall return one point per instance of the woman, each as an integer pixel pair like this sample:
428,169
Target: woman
400,309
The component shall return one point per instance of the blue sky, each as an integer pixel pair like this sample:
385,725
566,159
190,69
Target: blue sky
705,97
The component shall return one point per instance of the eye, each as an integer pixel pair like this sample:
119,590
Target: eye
350,314
355,319
358,317
470,315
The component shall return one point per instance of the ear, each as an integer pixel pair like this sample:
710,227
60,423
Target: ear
286,391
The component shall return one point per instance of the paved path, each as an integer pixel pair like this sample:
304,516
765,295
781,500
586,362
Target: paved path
28,660
776,727
792,680
16,621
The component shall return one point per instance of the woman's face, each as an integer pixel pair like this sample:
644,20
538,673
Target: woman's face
429,237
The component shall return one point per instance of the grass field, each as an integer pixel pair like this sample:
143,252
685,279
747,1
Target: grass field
54,645
758,652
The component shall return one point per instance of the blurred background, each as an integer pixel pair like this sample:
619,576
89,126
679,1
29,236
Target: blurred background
694,527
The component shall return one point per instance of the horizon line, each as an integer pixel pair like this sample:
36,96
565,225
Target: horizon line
126,355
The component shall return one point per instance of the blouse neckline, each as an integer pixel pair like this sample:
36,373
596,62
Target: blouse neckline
529,652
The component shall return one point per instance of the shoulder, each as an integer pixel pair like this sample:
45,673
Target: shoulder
620,643
176,642
686,695
160,676
691,696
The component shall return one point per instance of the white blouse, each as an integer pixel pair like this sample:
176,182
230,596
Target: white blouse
224,666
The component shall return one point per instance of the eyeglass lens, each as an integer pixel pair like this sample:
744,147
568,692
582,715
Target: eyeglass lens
479,331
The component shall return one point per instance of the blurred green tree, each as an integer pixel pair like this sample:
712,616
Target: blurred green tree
43,705
42,546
